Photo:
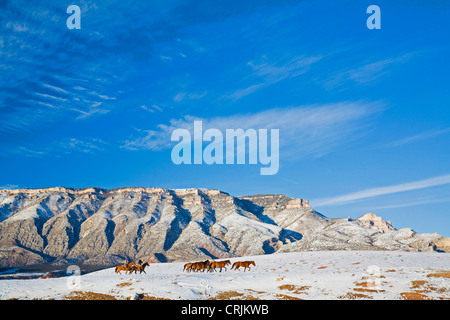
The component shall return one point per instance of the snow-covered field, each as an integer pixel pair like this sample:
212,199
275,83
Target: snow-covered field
303,275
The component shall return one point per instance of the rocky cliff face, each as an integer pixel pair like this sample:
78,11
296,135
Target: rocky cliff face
371,219
106,226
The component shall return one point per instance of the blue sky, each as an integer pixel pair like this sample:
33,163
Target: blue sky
363,115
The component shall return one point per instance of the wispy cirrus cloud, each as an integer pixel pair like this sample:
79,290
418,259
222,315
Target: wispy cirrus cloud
181,96
380,191
51,74
429,134
9,186
411,203
266,73
366,73
313,130
57,148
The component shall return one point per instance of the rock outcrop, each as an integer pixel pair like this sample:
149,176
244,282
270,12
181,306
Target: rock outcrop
373,220
98,226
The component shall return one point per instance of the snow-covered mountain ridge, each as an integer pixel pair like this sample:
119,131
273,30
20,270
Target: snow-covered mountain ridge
98,226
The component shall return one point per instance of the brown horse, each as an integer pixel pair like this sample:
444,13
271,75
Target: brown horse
245,264
219,264
126,268
139,267
120,268
188,266
202,266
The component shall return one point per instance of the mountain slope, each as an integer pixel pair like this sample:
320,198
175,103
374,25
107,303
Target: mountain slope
107,226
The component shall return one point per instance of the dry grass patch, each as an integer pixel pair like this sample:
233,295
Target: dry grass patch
88,295
413,296
417,284
289,287
234,295
367,290
146,297
227,295
421,286
286,297
124,284
293,288
443,274
353,296
366,285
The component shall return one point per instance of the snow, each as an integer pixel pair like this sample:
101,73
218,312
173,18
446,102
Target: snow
304,275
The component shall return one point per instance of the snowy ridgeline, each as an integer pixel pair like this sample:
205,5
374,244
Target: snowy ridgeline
105,227
300,275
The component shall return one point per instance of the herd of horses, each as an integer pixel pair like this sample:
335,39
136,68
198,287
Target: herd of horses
202,266
213,265
132,267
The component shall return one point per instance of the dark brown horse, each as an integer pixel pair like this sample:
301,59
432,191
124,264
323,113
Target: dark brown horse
139,267
200,266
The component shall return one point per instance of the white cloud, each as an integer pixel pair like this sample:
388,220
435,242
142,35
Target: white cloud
415,138
9,186
152,108
58,147
313,130
55,88
380,191
188,96
88,145
268,73
367,72
411,204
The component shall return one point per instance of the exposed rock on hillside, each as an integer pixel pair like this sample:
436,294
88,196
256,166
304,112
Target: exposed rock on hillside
373,220
100,226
